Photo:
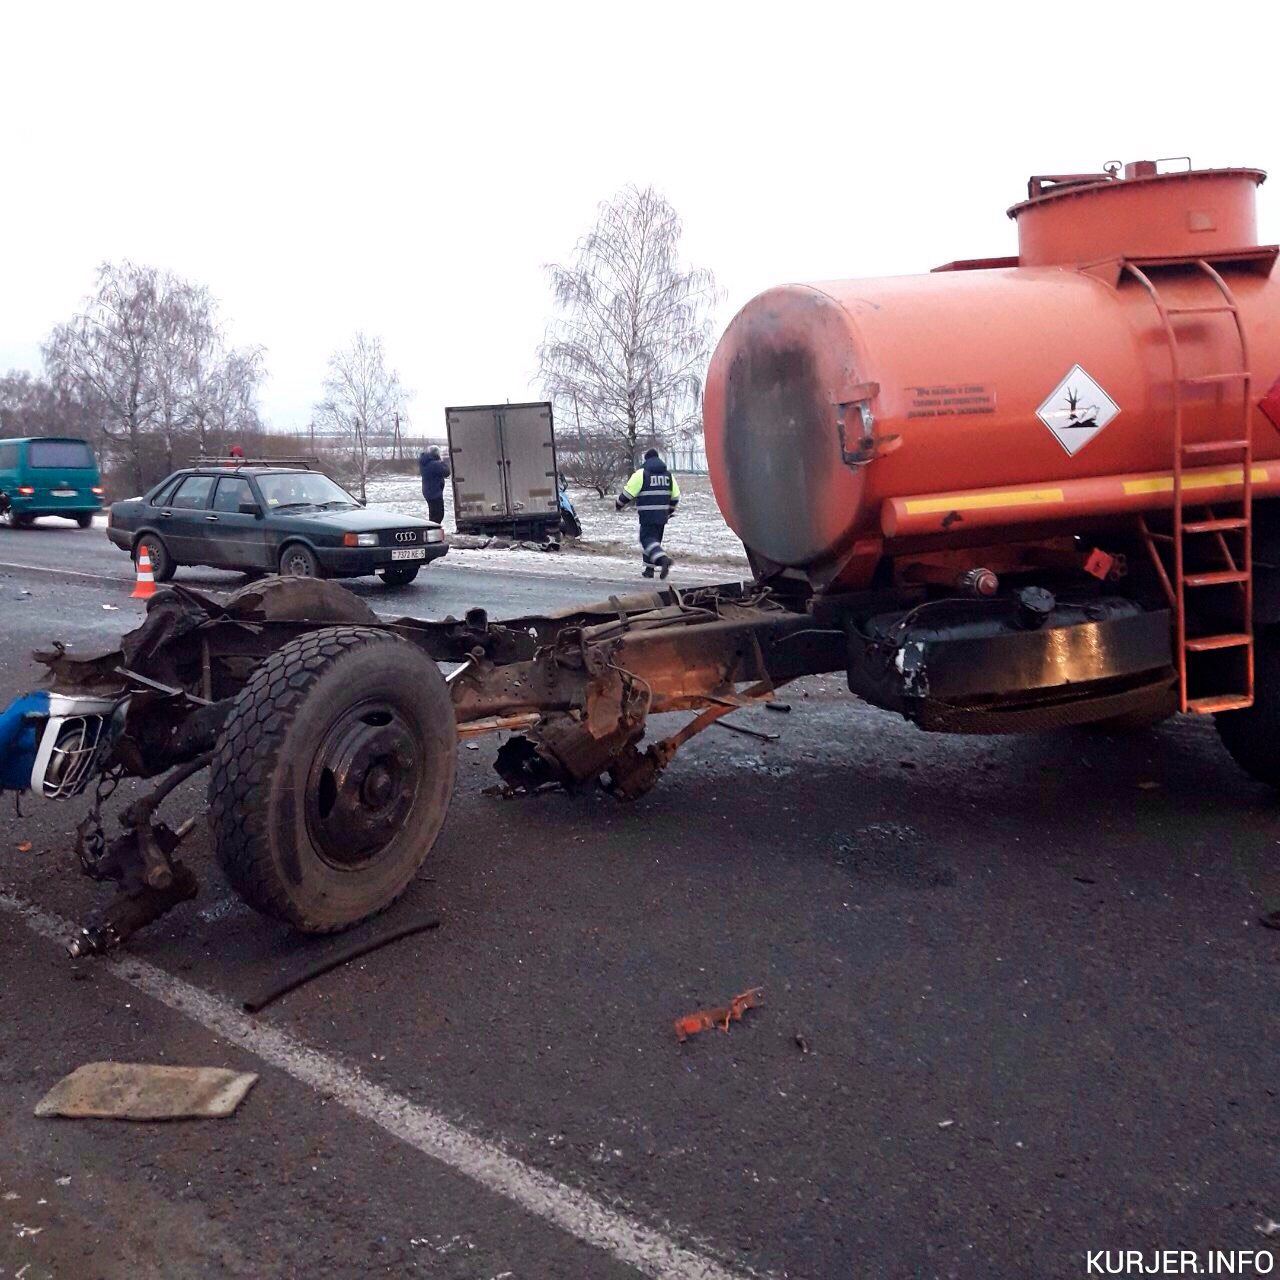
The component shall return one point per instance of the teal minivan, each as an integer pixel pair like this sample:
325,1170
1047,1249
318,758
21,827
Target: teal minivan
48,476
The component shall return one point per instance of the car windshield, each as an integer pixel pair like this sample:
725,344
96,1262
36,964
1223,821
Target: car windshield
303,489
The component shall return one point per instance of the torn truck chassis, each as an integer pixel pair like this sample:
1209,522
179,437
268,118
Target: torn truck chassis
579,684
575,688
582,682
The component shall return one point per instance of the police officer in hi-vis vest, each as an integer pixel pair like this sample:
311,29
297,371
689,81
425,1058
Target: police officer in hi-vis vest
655,493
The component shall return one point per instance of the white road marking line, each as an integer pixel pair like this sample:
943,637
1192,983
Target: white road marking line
648,1250
448,568
710,573
73,573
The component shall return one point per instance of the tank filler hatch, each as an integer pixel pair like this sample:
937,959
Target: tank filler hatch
1140,211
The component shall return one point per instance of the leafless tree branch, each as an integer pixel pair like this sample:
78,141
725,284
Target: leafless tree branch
361,399
148,352
624,357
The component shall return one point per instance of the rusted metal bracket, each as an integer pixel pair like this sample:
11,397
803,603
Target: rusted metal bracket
136,677
867,446
495,724
633,773
747,733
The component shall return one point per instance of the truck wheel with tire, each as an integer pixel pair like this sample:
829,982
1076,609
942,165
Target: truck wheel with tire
163,565
299,561
399,575
332,777
84,519
1250,734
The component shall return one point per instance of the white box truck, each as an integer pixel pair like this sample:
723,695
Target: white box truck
503,458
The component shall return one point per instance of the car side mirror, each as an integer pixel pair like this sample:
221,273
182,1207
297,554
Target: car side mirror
250,509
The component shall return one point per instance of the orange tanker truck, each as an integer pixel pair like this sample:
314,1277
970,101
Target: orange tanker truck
1055,470
1009,494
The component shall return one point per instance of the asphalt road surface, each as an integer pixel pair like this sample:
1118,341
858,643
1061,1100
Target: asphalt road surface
442,587
1017,1007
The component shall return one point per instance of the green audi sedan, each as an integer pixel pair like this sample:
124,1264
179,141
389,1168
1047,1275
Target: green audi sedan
260,518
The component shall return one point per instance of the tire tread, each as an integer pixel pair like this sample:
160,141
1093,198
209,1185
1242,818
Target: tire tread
247,755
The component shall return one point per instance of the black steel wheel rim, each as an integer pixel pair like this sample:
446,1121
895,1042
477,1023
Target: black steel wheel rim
154,553
362,785
297,563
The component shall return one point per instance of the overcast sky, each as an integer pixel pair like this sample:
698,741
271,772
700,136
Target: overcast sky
408,168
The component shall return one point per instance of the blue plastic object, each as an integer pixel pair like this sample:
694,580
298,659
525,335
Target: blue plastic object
21,724
562,493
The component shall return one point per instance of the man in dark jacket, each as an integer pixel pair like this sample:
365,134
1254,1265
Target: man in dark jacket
435,471
655,493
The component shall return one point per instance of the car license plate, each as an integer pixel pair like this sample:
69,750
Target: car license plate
63,493
410,553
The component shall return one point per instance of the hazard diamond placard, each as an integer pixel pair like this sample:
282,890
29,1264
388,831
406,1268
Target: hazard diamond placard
1076,410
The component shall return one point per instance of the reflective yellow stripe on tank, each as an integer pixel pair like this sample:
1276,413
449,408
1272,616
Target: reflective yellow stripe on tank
1195,480
981,501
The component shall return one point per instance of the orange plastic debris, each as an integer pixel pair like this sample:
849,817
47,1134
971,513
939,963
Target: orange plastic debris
703,1019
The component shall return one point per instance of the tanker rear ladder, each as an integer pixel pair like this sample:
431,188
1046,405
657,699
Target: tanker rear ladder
1238,564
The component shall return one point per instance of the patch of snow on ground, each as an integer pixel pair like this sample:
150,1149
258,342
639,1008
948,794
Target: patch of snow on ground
605,568
698,539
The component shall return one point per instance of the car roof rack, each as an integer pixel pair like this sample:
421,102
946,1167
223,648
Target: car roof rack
236,463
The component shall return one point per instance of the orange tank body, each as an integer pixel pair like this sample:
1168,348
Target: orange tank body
854,419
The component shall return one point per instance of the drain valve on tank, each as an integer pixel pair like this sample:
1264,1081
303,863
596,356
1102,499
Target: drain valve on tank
979,582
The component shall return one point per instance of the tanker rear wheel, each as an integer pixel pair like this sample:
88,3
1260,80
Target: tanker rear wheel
332,777
1250,735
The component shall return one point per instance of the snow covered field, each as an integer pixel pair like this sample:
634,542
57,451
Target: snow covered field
698,539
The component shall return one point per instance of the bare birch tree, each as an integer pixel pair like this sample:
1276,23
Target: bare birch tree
149,352
627,352
109,351
591,462
233,397
30,405
361,400
182,318
221,383
204,358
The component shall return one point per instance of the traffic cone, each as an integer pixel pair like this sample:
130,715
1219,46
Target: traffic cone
145,587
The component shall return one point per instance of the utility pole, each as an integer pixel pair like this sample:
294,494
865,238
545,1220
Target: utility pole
653,428
362,456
